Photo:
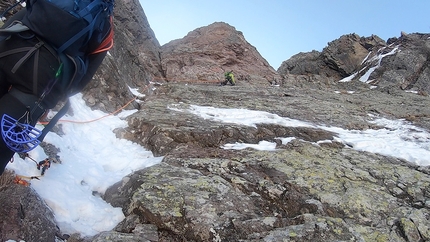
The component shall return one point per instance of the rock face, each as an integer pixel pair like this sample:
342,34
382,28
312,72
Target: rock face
345,54
400,64
406,64
201,56
132,62
207,52
341,58
24,216
301,192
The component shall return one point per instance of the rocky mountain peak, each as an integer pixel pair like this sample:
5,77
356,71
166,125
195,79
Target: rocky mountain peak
340,58
204,54
345,54
400,63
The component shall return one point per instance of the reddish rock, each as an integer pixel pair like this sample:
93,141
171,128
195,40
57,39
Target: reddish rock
207,52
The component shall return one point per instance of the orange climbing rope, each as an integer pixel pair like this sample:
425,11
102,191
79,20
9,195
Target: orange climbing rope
185,80
24,180
128,103
94,120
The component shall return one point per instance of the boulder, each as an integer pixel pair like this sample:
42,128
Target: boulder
24,215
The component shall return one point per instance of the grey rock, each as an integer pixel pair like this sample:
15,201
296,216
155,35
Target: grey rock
141,233
302,191
341,58
24,215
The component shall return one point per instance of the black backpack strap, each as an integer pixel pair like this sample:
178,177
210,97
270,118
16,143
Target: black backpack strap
15,51
33,102
54,120
29,100
32,50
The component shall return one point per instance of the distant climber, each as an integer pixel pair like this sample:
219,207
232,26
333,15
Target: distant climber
229,78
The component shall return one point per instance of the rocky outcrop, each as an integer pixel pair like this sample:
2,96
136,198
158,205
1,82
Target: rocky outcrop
300,193
24,216
207,52
341,58
202,56
402,63
345,54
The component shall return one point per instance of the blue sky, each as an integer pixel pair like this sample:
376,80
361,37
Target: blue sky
282,28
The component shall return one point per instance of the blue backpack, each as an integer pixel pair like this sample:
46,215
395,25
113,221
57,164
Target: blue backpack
85,21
